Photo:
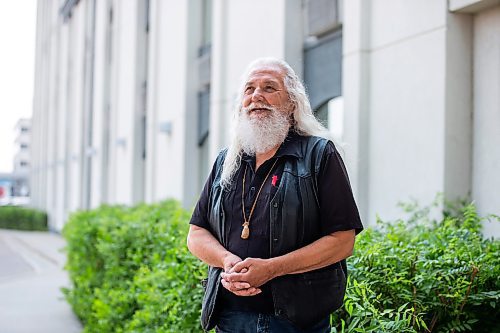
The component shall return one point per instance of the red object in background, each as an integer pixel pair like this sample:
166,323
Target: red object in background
274,180
2,192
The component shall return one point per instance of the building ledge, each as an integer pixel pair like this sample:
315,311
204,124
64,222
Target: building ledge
471,6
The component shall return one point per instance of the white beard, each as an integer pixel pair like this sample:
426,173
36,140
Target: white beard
259,135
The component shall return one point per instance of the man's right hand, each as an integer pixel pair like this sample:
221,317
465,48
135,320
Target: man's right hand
238,288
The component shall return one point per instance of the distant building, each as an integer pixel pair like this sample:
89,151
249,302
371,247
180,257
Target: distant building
133,99
14,187
22,146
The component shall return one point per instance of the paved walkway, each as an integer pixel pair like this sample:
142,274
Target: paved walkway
31,275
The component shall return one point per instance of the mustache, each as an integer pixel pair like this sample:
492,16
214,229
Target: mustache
258,106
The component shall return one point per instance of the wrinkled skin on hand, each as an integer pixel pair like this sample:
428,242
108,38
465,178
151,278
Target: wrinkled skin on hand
246,276
237,287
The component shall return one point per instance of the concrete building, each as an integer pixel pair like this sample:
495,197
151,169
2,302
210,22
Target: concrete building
22,160
14,186
22,146
133,98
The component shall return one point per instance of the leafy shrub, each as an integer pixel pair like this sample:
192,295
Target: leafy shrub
20,218
131,270
423,275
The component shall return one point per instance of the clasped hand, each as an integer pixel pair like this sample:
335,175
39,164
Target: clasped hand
244,277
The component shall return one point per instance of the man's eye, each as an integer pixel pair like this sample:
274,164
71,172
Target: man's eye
270,88
249,89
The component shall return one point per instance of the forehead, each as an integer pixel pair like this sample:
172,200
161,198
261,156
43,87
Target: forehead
266,73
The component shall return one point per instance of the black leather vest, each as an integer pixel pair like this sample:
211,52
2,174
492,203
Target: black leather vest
304,298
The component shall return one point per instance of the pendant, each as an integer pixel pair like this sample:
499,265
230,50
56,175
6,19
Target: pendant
246,231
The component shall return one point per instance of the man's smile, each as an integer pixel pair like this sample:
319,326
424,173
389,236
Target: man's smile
259,111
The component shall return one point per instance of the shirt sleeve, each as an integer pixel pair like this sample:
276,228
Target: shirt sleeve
200,213
338,209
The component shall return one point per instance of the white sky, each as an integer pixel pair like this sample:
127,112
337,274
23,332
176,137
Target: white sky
17,69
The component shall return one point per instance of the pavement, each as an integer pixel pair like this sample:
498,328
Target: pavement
31,277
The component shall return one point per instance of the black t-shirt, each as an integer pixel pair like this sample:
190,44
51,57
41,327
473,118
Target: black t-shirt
338,211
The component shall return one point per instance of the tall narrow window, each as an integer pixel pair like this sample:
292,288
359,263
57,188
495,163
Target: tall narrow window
203,130
323,62
335,122
206,27
203,115
204,73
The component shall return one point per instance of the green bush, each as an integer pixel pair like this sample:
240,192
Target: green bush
421,275
20,218
131,270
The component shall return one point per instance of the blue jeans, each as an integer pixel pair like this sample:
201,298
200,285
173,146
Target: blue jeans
251,322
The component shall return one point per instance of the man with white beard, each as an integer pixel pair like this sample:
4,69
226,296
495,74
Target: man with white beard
276,218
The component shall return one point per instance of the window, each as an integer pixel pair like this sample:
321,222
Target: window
336,117
331,115
203,115
323,62
323,69
206,26
323,16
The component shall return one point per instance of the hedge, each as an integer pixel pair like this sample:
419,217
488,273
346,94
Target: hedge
21,218
131,272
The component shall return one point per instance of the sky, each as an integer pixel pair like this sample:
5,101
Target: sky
17,71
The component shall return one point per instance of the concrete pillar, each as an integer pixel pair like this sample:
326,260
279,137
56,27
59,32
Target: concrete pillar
98,151
356,92
74,129
486,124
60,196
458,107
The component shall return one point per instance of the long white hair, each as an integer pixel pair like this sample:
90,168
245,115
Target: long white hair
303,122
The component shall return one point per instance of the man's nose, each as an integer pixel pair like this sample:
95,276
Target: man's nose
257,95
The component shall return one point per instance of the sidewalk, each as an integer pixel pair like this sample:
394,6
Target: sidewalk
31,275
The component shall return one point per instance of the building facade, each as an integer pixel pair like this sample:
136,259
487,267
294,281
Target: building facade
15,186
22,146
134,98
22,160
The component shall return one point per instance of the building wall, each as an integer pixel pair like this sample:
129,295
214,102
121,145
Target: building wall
170,100
395,101
410,96
118,82
406,120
